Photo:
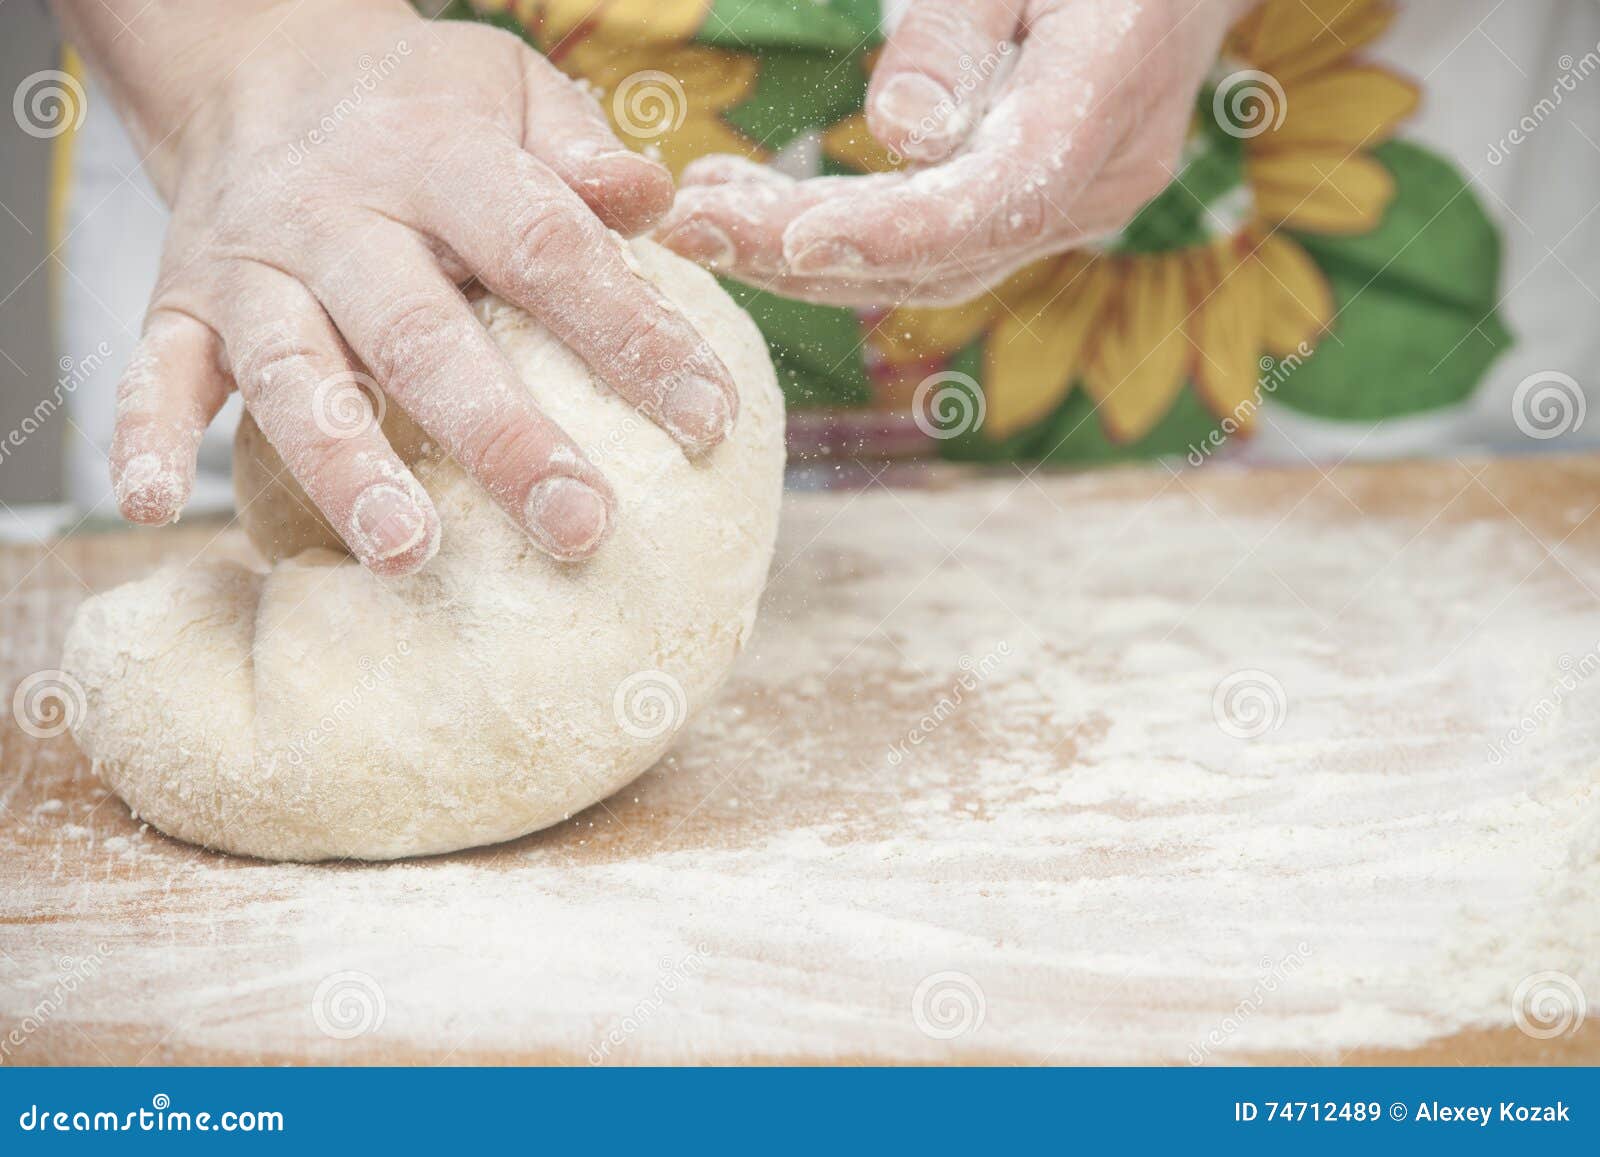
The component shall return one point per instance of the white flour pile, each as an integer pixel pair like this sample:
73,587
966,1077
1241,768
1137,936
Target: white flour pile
966,798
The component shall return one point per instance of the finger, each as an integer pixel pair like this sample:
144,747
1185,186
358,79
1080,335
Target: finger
173,386
929,85
417,334
532,241
568,131
734,220
302,390
1066,107
982,206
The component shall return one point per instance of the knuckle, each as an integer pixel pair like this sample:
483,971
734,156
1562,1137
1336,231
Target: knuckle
544,242
270,359
1022,215
645,340
504,449
413,340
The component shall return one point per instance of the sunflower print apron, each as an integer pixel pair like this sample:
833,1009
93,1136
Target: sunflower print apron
1303,258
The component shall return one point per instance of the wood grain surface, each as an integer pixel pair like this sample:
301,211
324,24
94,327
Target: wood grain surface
856,856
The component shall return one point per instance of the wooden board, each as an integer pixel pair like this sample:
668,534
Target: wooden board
976,794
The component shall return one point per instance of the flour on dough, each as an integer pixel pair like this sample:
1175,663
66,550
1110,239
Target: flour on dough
309,710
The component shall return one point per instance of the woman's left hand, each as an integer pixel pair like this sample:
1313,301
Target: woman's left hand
1009,166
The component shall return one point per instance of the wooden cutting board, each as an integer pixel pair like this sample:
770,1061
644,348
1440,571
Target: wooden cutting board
1136,767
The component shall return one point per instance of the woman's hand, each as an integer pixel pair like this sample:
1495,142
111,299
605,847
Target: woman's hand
335,172
1033,126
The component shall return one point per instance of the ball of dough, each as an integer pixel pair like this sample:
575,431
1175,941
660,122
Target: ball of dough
309,710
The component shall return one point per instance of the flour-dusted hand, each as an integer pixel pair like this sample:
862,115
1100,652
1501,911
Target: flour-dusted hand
335,172
1031,126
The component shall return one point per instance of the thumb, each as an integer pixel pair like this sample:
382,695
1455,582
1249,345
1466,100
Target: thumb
929,86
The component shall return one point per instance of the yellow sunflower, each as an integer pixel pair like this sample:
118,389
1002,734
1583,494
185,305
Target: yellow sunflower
1135,322
663,94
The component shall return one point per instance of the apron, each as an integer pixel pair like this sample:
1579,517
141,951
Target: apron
1376,196
1305,258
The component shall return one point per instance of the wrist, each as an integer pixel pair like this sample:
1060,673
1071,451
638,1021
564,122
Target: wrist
164,63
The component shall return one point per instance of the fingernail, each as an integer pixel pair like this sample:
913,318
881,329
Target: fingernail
388,522
914,104
697,412
828,257
147,492
701,240
567,517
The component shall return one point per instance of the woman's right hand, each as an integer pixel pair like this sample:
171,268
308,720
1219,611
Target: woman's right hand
335,172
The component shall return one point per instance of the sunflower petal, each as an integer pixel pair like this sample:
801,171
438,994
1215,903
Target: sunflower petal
1322,192
1227,333
1294,38
1033,354
917,333
1297,301
1136,366
635,21
1347,109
